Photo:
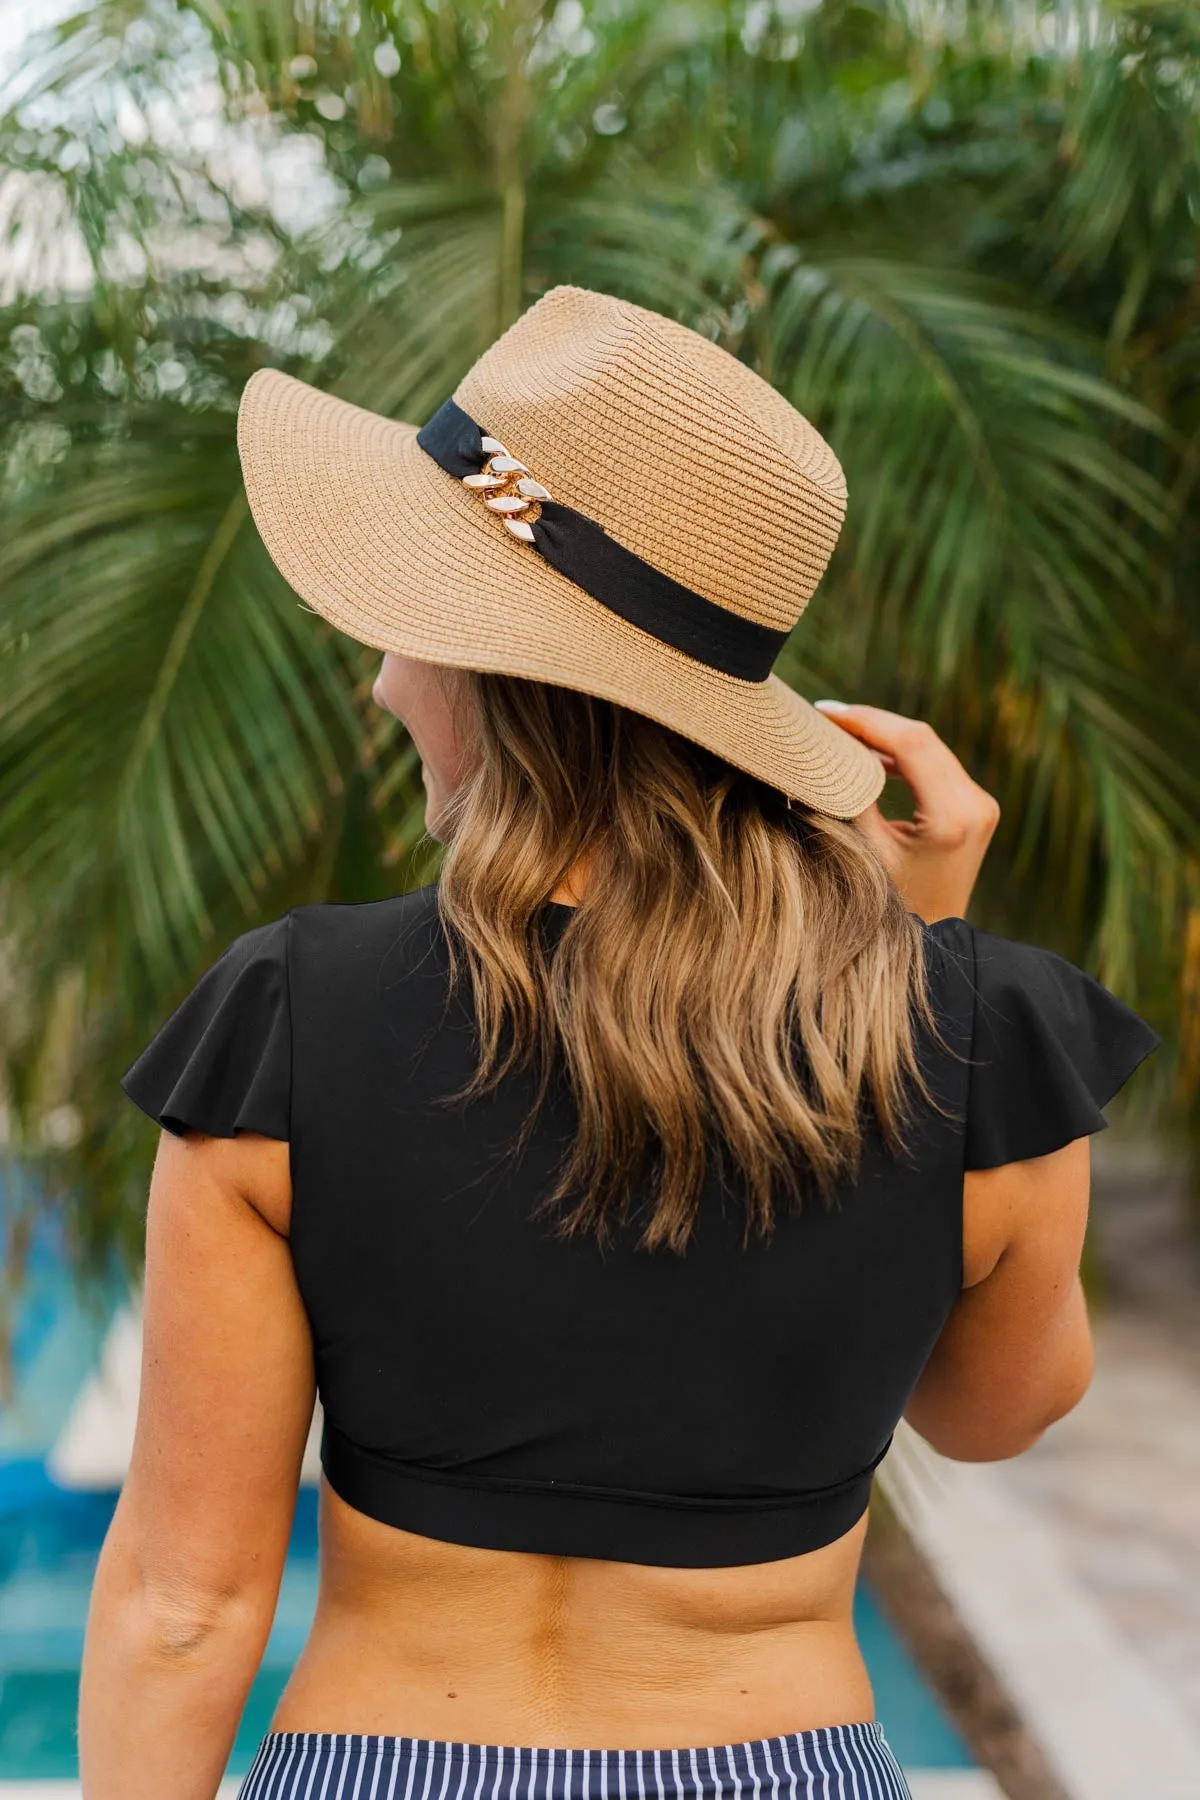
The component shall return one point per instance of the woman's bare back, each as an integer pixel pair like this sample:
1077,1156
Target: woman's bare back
444,1641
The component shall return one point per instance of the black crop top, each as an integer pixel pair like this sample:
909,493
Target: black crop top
487,1383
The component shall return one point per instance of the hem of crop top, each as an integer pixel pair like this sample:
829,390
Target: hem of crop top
611,1524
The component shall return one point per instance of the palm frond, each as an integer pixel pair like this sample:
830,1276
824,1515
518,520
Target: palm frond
962,239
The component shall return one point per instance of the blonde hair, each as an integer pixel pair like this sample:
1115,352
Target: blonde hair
740,975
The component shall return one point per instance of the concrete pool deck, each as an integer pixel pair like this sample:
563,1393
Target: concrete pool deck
1118,1482
1105,1725
1076,1568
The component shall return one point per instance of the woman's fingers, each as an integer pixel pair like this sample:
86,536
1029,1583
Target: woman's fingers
915,749
948,805
935,856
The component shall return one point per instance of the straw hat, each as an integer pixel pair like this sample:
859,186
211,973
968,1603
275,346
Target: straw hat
693,514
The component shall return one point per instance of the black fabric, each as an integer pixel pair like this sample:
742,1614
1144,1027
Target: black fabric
454,440
568,1519
583,551
1049,1048
485,1382
223,1062
642,595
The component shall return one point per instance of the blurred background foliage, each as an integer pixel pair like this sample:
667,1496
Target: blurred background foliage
962,237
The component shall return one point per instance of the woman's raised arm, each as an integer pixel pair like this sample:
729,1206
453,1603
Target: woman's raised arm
1016,1352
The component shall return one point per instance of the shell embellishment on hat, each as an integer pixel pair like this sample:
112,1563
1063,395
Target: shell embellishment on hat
508,488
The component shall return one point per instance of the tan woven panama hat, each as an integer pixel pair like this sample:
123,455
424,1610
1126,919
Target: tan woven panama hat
682,454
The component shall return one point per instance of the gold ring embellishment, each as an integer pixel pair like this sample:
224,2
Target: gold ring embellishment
506,486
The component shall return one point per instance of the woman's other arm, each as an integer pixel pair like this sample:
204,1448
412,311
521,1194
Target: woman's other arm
189,1574
1016,1352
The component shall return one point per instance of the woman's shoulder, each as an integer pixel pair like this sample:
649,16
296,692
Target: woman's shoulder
222,1062
954,946
1005,981
1047,1045
342,959
322,937
338,933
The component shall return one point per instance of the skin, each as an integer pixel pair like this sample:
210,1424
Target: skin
443,1641
423,697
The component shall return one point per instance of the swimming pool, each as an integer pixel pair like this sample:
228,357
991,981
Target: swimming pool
49,1539
50,1536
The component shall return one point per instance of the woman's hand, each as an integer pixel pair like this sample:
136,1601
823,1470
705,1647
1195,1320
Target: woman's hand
935,856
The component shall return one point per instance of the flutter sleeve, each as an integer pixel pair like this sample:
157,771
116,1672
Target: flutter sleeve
222,1063
1049,1047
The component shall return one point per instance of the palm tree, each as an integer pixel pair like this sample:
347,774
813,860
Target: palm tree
962,239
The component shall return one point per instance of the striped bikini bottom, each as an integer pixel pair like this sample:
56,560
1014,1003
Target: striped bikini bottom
837,1762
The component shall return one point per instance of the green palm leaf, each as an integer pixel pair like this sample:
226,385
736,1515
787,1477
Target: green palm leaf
965,246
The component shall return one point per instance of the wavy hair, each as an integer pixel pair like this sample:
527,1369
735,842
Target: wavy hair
739,979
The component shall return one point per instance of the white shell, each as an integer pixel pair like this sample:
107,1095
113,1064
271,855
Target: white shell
520,529
507,465
506,503
493,446
483,481
535,490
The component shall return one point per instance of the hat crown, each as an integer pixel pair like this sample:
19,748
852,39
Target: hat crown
685,456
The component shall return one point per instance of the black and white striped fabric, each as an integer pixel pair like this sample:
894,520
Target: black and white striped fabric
839,1762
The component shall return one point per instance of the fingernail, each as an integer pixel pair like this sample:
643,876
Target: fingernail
832,705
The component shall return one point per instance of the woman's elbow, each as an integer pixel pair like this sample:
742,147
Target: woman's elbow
1074,1381
180,1623
977,1434
986,1445
171,1618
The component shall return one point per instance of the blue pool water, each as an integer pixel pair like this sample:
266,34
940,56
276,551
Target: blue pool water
49,1540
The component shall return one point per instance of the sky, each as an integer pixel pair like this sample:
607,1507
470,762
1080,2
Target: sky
255,164
18,19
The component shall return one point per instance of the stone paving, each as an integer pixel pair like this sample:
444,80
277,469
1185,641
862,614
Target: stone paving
1118,1482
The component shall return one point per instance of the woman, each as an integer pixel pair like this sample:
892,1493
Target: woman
622,1191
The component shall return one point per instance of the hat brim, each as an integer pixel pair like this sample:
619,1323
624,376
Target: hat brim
398,554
